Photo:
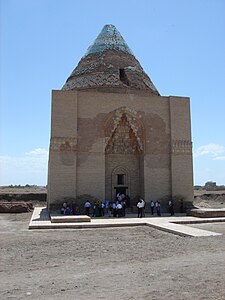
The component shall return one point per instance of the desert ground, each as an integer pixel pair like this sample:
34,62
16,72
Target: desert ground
117,263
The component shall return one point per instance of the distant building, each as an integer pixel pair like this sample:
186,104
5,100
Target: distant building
212,186
112,132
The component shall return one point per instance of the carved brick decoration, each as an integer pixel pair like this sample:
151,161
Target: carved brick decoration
99,79
123,139
132,121
63,144
111,132
181,147
106,60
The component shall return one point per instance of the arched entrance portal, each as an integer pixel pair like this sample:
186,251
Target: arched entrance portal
120,181
124,158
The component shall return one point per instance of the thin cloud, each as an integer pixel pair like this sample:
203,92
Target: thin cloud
38,151
219,158
28,168
212,150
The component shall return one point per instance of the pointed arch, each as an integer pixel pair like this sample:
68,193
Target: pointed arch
133,121
124,149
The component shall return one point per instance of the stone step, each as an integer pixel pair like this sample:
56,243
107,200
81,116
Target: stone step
208,213
69,219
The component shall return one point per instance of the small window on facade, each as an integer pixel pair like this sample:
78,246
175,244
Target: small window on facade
120,179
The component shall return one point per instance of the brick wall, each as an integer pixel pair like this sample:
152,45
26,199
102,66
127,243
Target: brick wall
80,129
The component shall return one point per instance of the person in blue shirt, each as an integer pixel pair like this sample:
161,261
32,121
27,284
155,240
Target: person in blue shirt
67,211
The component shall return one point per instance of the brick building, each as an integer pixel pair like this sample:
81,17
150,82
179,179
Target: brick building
111,131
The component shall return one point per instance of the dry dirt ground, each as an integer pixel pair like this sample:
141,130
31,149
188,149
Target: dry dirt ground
209,199
117,263
22,189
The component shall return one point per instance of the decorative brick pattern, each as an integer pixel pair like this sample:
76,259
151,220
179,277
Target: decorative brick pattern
181,147
132,121
93,80
110,63
110,118
123,139
63,144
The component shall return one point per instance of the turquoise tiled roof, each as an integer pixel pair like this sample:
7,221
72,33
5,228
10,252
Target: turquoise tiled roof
109,38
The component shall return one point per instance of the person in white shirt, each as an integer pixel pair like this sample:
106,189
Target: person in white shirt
140,206
119,209
114,211
102,209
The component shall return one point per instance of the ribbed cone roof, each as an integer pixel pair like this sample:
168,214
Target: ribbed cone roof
109,62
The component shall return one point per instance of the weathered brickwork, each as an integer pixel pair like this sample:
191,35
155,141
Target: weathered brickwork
128,139
109,62
181,146
135,137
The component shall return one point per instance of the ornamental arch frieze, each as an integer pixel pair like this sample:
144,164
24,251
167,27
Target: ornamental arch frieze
124,126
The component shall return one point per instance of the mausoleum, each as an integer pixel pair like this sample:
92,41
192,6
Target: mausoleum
112,131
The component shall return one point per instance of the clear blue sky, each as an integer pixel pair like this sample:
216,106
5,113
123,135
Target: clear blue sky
180,45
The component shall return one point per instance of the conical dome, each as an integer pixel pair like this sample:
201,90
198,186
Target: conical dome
109,38
110,63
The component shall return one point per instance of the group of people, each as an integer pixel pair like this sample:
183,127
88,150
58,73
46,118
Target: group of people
111,209
67,210
153,205
116,208
156,205
98,209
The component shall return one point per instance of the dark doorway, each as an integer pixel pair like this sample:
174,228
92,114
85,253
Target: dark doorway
121,190
120,179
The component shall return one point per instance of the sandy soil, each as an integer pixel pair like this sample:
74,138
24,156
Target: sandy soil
209,199
22,190
128,263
